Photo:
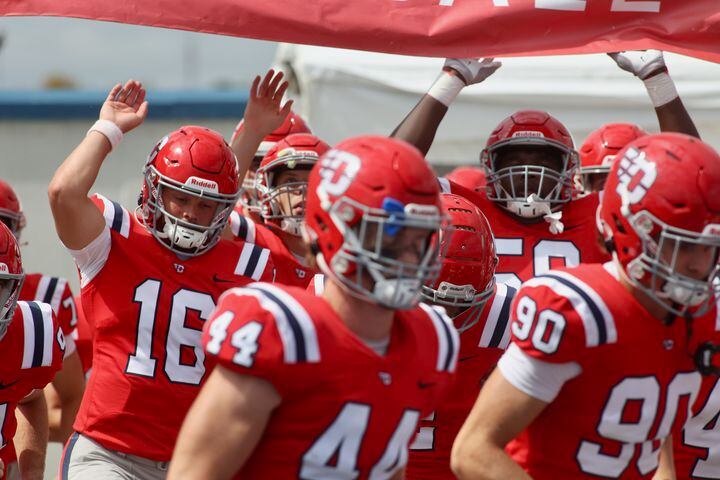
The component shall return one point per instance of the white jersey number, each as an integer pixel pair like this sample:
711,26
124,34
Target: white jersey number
645,392
703,431
179,336
543,252
342,440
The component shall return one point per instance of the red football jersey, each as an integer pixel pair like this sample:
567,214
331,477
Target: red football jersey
633,382
526,250
289,268
148,306
346,411
33,349
56,292
84,340
480,348
697,449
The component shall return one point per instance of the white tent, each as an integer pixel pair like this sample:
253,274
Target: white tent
344,93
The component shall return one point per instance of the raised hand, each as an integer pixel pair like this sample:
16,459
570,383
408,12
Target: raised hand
125,106
472,70
264,113
642,63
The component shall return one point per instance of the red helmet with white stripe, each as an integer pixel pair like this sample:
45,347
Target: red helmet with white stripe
599,150
11,277
467,277
530,190
372,219
660,216
11,213
195,161
284,204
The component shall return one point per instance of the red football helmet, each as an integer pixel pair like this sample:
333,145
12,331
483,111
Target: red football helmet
469,177
11,277
522,189
11,213
295,151
370,201
196,161
599,150
467,277
293,124
661,203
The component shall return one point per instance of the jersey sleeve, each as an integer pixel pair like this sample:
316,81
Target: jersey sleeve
43,343
243,336
256,263
545,325
243,228
91,259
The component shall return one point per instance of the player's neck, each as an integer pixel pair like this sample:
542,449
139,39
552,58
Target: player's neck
295,244
366,320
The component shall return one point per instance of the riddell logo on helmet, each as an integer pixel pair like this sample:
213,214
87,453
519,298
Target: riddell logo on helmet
203,184
712,229
4,268
528,133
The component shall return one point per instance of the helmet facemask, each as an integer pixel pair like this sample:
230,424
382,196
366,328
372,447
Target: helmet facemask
284,204
180,236
655,271
530,191
463,297
248,195
15,221
368,262
592,179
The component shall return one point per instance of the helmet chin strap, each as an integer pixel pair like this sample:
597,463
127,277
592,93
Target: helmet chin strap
183,237
534,208
682,295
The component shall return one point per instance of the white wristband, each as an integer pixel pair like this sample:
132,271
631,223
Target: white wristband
446,88
661,89
111,131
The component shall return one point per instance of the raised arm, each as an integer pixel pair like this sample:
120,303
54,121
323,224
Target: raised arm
649,66
263,114
419,127
77,220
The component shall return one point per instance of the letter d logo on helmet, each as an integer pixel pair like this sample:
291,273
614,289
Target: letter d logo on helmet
635,176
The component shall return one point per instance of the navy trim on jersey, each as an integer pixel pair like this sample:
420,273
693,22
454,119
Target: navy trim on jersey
117,217
292,321
503,318
242,227
596,313
253,261
50,292
39,328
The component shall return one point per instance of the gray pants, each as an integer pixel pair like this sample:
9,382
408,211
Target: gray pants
84,459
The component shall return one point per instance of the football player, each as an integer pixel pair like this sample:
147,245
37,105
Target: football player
332,387
281,183
149,280
600,374
530,163
467,177
63,395
33,346
598,152
280,186
248,205
480,310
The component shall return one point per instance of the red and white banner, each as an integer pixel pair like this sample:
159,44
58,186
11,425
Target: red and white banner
441,28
